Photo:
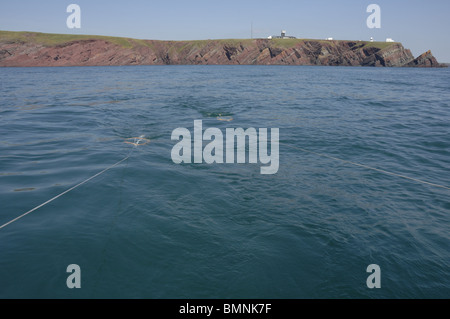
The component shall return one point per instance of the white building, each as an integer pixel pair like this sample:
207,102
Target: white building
283,36
389,40
329,39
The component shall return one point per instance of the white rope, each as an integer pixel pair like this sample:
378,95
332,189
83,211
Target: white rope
65,192
136,142
295,147
368,167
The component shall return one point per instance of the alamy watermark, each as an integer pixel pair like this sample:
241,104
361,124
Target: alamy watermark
234,138
374,280
374,20
74,279
74,19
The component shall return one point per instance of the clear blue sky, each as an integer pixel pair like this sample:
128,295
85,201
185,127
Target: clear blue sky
419,25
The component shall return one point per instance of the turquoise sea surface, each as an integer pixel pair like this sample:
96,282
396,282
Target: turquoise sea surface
149,228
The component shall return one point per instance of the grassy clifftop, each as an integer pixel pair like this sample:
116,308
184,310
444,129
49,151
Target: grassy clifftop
53,39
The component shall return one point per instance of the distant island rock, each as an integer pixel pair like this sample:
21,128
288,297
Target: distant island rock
44,49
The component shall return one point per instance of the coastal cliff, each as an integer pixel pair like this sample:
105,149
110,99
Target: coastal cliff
40,49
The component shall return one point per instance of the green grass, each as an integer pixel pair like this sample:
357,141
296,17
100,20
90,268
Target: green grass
13,36
289,43
235,42
52,39
286,43
379,45
203,43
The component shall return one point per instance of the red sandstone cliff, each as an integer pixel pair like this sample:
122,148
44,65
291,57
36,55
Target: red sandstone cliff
37,49
425,60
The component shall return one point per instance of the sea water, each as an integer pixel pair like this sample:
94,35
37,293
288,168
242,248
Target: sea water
150,228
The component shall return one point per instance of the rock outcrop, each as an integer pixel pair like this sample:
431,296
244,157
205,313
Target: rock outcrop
425,60
38,49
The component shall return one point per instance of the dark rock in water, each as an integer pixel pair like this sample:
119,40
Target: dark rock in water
39,49
426,60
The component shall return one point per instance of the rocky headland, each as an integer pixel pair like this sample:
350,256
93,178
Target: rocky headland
40,49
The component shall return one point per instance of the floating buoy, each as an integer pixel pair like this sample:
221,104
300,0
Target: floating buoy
224,118
136,141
